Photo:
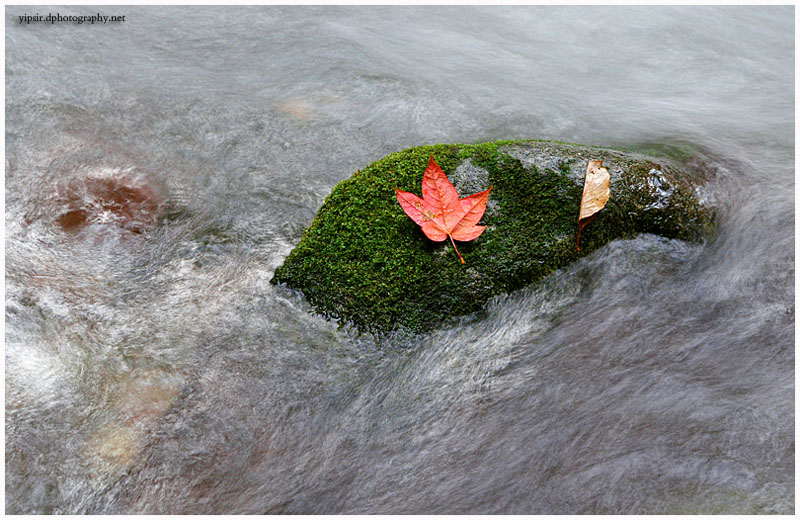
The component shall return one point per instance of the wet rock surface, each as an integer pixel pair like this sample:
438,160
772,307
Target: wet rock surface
362,260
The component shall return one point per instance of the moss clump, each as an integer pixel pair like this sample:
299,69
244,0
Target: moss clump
363,260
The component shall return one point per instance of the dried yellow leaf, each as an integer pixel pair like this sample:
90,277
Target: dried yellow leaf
595,194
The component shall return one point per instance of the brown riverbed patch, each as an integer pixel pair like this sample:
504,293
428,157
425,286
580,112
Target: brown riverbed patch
107,196
138,401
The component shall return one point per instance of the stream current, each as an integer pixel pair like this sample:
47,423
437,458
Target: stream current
159,169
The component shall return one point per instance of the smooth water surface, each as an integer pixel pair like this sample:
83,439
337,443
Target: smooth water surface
159,170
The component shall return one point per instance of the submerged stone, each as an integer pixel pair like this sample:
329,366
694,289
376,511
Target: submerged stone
364,261
108,196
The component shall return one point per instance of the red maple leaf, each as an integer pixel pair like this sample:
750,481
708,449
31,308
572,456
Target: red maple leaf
440,212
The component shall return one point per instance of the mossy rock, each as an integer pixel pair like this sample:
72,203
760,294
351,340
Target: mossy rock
364,261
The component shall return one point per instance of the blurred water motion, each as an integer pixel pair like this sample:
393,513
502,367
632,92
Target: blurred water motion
158,170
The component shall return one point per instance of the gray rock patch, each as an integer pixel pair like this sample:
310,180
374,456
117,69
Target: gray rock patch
469,179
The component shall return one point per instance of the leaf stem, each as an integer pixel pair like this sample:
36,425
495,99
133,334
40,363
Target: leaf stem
454,247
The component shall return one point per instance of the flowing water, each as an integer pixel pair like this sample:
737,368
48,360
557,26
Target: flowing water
159,169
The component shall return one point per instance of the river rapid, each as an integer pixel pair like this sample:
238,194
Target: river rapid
159,169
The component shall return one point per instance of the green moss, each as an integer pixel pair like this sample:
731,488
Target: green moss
363,260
